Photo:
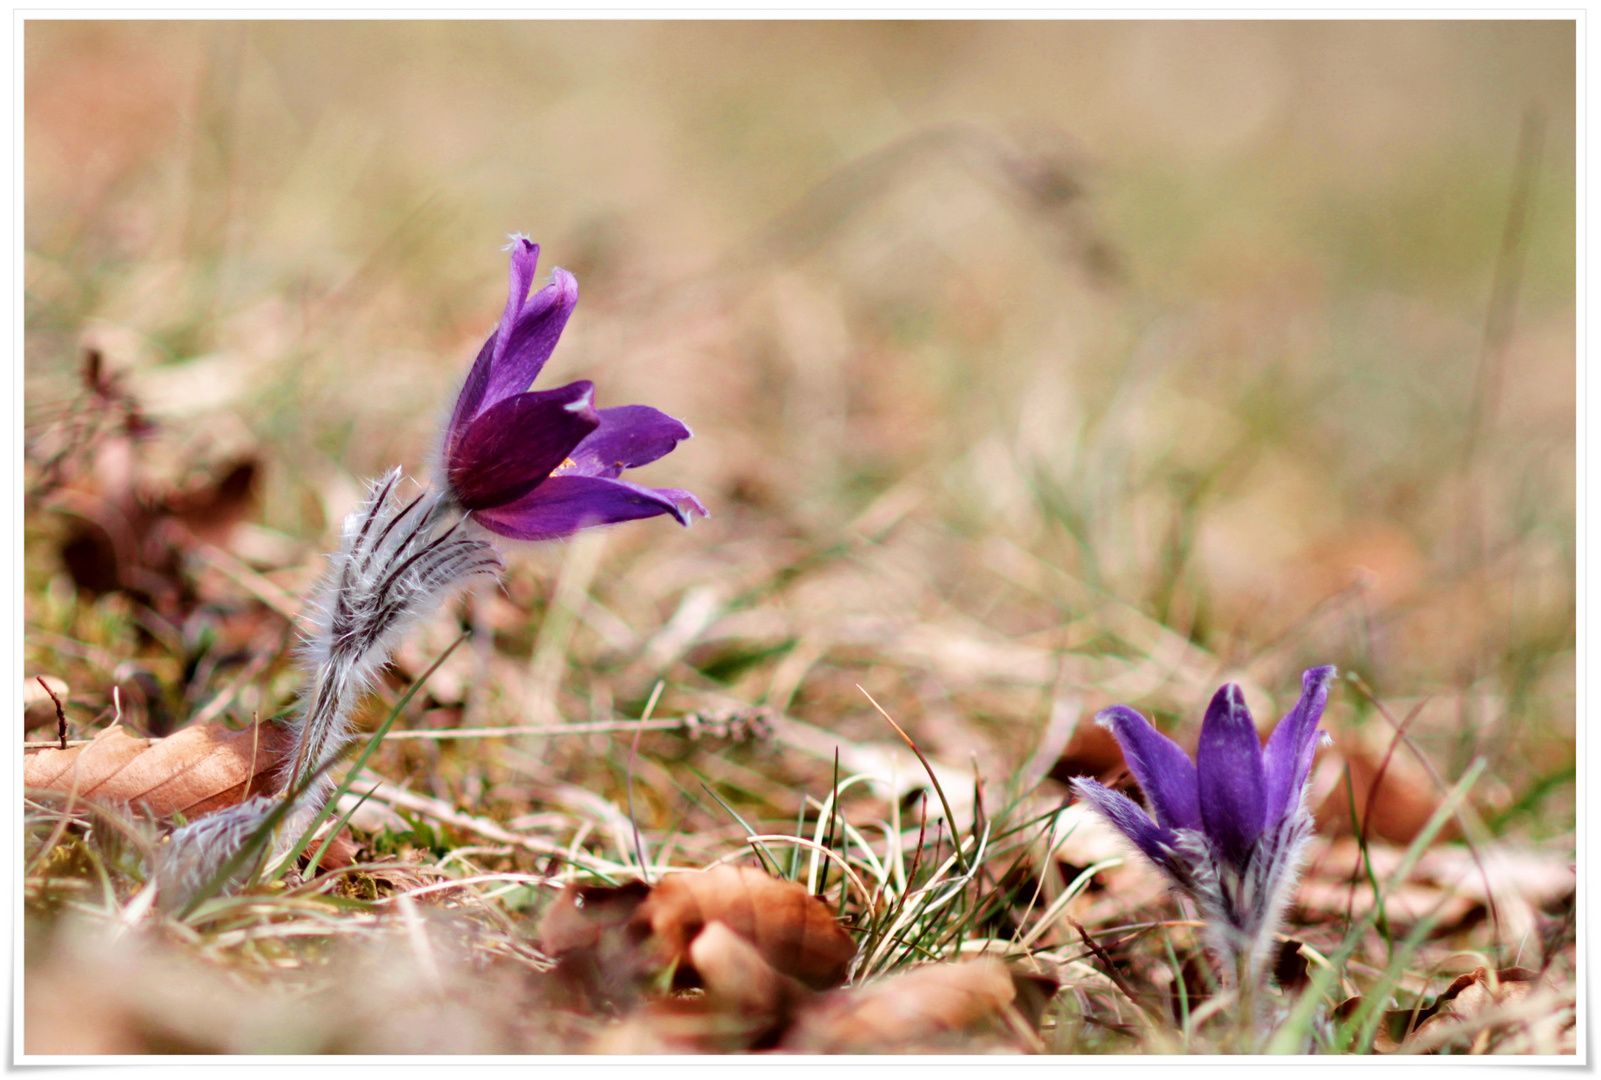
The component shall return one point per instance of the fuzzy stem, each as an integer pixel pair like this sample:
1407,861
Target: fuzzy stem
394,567
1245,978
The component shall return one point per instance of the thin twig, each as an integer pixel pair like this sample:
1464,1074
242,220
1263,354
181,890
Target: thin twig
1111,968
599,727
61,714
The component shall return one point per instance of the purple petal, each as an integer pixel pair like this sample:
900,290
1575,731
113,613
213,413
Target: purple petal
687,504
629,436
1288,757
564,504
1164,770
470,402
524,264
515,444
522,348
471,396
1126,816
1230,775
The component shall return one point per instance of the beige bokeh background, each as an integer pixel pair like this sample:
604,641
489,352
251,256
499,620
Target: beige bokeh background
1069,318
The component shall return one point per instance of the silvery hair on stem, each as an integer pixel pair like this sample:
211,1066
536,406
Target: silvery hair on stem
395,565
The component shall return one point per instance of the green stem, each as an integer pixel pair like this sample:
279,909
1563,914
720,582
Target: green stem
1245,1001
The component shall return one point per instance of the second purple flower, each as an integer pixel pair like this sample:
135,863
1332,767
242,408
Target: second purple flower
1228,829
539,465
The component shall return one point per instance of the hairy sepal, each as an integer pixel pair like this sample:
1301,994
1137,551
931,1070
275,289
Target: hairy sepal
1242,910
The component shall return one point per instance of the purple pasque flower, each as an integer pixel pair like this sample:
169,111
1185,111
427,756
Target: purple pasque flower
538,465
1229,829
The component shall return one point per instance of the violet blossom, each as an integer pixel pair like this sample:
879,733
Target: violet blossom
1230,828
542,464
530,465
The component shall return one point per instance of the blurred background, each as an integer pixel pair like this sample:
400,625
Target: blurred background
1032,367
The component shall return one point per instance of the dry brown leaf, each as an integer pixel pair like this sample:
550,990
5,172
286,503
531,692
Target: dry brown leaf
583,914
590,932
1449,1017
1322,898
1394,799
212,508
794,931
737,976
1470,997
929,1005
769,937
1454,882
342,851
193,772
747,1004
82,767
1091,752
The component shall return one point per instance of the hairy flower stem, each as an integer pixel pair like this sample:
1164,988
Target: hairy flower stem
1245,984
394,567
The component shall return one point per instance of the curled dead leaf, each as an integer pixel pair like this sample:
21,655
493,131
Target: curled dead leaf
193,772
922,1009
1466,1012
583,914
768,937
1450,1017
794,932
747,1005
211,508
1092,751
737,976
589,931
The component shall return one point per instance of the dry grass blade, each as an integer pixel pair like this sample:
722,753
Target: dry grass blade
811,845
961,859
597,728
445,814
